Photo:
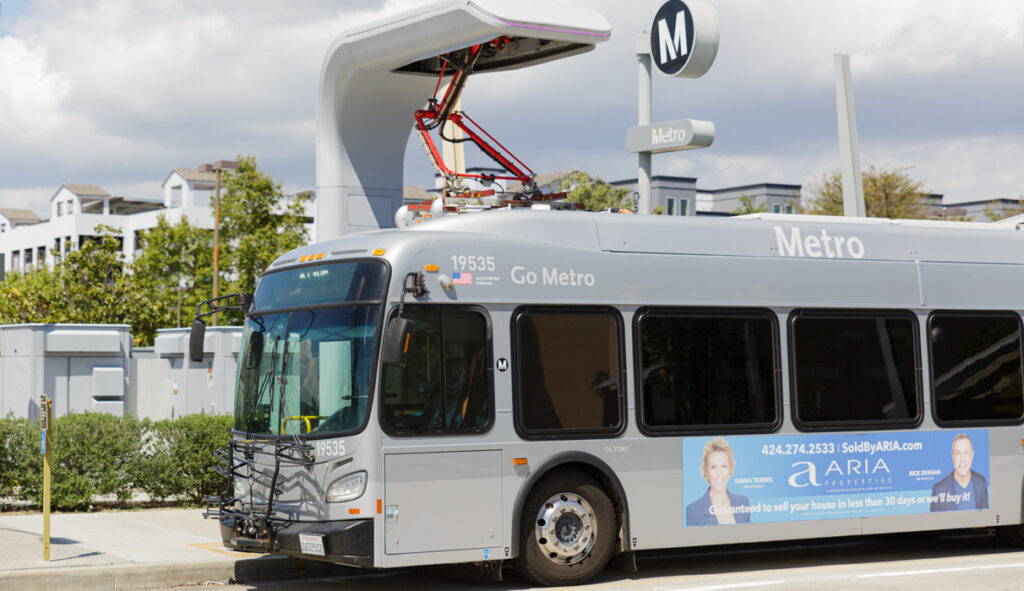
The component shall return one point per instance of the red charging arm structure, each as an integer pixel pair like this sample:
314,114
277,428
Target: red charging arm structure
440,111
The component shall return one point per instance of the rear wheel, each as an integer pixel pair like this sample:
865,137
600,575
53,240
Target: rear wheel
568,530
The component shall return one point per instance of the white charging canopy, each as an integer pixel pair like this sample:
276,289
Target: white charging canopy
375,76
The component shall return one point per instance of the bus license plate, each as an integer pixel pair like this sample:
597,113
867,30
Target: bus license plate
310,544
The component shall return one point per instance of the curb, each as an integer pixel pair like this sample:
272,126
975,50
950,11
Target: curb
134,576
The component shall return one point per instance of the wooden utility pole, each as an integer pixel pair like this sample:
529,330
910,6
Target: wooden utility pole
46,420
217,167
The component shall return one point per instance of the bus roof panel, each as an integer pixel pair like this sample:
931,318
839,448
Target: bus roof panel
813,237
762,236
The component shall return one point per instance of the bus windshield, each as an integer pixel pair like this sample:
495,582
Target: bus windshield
308,349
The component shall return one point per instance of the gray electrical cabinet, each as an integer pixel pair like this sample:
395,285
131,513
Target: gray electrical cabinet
168,384
82,367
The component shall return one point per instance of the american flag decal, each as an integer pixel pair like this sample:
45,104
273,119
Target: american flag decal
462,278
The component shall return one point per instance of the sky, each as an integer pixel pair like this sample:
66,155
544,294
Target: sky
117,93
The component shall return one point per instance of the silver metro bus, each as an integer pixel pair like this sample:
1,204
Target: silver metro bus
560,389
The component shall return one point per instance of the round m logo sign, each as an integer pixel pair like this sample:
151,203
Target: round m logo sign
684,38
672,37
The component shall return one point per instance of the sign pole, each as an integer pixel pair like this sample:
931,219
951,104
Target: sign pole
682,41
46,415
849,152
643,178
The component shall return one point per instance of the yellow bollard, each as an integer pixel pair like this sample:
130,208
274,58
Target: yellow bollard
46,418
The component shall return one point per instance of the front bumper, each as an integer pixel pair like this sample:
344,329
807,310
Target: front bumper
347,542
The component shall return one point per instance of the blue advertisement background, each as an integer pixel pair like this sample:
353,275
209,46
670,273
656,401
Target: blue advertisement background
833,475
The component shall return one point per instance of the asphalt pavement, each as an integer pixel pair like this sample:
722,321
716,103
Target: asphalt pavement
126,550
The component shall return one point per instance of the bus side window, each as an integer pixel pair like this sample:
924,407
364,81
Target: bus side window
976,367
854,368
444,387
569,372
707,368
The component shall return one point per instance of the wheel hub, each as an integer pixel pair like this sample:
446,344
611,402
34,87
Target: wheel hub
566,528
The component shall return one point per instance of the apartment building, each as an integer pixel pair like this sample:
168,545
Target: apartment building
77,209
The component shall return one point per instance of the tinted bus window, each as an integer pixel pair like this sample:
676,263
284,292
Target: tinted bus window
854,368
976,367
707,369
569,372
444,386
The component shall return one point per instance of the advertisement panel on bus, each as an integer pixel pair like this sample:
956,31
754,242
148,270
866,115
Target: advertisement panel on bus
770,478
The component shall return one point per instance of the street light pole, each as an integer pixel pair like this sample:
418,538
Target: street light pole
217,167
216,239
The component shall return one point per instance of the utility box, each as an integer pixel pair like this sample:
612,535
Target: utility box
146,391
176,386
82,367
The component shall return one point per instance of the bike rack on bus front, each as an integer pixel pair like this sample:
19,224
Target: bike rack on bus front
254,523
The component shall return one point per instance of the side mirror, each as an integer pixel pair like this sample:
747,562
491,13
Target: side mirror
396,341
195,341
244,302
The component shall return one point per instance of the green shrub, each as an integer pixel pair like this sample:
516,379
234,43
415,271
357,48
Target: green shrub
20,456
101,454
91,454
182,457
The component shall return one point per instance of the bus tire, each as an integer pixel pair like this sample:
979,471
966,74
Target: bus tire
567,532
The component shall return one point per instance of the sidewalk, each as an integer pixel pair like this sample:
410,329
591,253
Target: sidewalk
124,550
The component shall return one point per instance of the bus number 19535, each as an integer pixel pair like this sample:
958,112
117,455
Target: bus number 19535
326,448
472,263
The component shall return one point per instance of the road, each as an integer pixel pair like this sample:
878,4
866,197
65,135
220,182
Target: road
928,562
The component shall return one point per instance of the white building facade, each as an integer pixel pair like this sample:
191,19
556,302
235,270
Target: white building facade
76,210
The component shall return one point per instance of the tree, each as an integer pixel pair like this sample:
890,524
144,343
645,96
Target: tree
27,297
995,212
89,285
93,284
593,193
258,223
176,261
747,206
889,192
94,287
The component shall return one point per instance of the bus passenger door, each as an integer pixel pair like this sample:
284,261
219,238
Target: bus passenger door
440,395
442,501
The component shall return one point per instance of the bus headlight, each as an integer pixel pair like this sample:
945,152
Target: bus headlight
348,488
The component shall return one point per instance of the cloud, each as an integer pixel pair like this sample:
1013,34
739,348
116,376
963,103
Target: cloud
971,169
117,93
35,198
936,85
30,92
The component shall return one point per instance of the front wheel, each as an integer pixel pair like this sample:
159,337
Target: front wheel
568,530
